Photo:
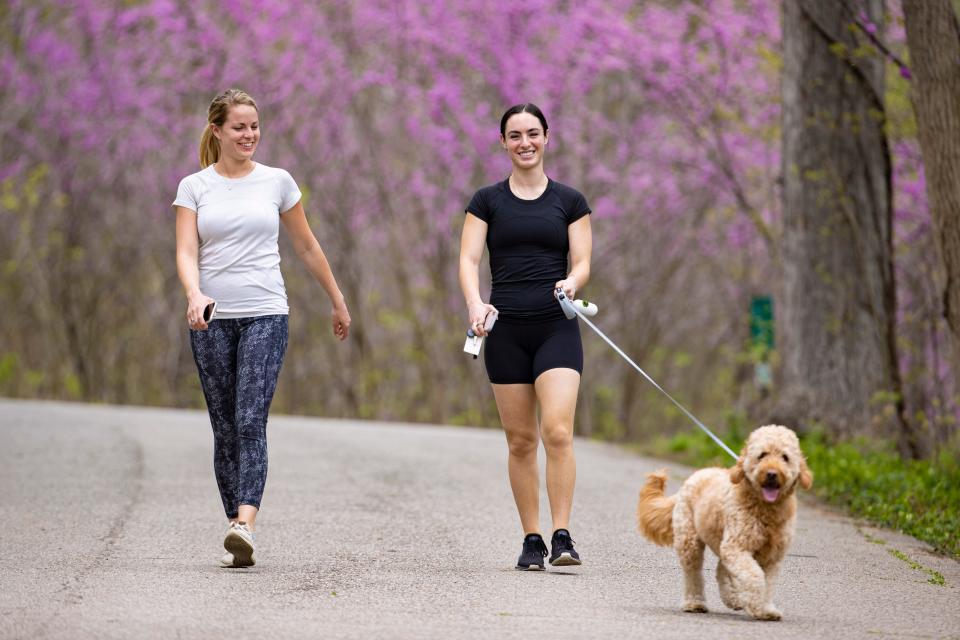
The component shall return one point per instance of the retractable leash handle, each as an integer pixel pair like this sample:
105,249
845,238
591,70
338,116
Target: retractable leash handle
575,308
586,308
565,304
572,307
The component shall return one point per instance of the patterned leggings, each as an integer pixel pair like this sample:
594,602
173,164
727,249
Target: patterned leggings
239,361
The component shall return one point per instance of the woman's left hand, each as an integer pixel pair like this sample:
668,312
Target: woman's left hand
569,286
341,320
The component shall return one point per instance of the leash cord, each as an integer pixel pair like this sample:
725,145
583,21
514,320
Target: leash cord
564,301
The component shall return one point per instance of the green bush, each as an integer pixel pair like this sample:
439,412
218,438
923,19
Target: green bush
918,497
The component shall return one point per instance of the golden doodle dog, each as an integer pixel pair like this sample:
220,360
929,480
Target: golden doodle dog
745,514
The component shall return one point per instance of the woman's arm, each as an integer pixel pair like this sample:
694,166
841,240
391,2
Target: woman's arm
188,266
471,250
581,246
308,248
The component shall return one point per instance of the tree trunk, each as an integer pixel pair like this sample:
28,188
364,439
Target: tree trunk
838,309
933,36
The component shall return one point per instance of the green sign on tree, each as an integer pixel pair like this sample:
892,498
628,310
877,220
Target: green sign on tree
761,337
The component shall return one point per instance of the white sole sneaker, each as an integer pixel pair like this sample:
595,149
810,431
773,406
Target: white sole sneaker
226,561
565,560
239,543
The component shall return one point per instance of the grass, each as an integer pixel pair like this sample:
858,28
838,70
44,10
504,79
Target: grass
935,576
868,479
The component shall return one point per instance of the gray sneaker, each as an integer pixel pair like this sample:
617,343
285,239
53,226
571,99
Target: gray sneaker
533,553
227,561
562,553
239,544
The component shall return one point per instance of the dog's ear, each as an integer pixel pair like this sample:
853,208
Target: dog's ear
806,476
736,471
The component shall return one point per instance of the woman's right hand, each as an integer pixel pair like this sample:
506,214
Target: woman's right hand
196,303
340,317
478,312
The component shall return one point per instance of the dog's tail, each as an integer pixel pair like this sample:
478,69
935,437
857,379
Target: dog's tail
655,510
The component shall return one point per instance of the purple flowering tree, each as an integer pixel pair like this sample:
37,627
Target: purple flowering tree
666,115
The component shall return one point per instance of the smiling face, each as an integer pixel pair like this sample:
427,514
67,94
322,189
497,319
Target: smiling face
240,133
524,139
772,463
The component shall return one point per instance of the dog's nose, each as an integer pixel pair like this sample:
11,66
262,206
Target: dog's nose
771,475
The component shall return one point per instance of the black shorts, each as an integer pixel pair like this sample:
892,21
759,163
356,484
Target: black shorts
519,353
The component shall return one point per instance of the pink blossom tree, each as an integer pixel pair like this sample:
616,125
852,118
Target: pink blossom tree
666,115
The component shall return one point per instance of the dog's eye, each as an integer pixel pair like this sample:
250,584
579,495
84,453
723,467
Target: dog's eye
786,458
760,457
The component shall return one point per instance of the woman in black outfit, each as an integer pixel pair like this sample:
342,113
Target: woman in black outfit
533,355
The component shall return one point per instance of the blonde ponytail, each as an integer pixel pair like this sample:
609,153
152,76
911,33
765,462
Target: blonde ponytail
209,147
216,116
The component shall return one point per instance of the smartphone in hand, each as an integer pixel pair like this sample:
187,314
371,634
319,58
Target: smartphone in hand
210,311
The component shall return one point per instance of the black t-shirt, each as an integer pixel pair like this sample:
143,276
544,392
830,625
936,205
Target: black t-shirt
528,245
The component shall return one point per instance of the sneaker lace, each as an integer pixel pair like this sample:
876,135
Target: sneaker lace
538,546
564,542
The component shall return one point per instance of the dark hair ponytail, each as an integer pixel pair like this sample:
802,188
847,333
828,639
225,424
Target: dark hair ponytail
526,107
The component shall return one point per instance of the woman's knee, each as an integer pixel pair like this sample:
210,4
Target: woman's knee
557,436
522,444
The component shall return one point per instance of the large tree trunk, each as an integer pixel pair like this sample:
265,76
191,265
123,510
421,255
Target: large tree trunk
838,309
933,36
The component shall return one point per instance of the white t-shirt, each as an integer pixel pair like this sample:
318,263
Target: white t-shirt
239,222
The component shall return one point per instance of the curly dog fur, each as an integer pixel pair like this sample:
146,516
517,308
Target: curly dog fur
745,514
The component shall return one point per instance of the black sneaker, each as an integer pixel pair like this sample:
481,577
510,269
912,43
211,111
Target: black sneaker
534,551
562,553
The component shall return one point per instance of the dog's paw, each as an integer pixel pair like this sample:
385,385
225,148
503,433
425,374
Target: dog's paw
769,612
729,597
736,606
695,606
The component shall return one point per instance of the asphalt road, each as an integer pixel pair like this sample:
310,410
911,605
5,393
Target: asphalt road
112,528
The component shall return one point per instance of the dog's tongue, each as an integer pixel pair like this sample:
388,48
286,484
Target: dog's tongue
770,494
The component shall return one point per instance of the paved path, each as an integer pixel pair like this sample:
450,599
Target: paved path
112,529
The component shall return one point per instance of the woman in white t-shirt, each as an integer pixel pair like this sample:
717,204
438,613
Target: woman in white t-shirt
228,220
